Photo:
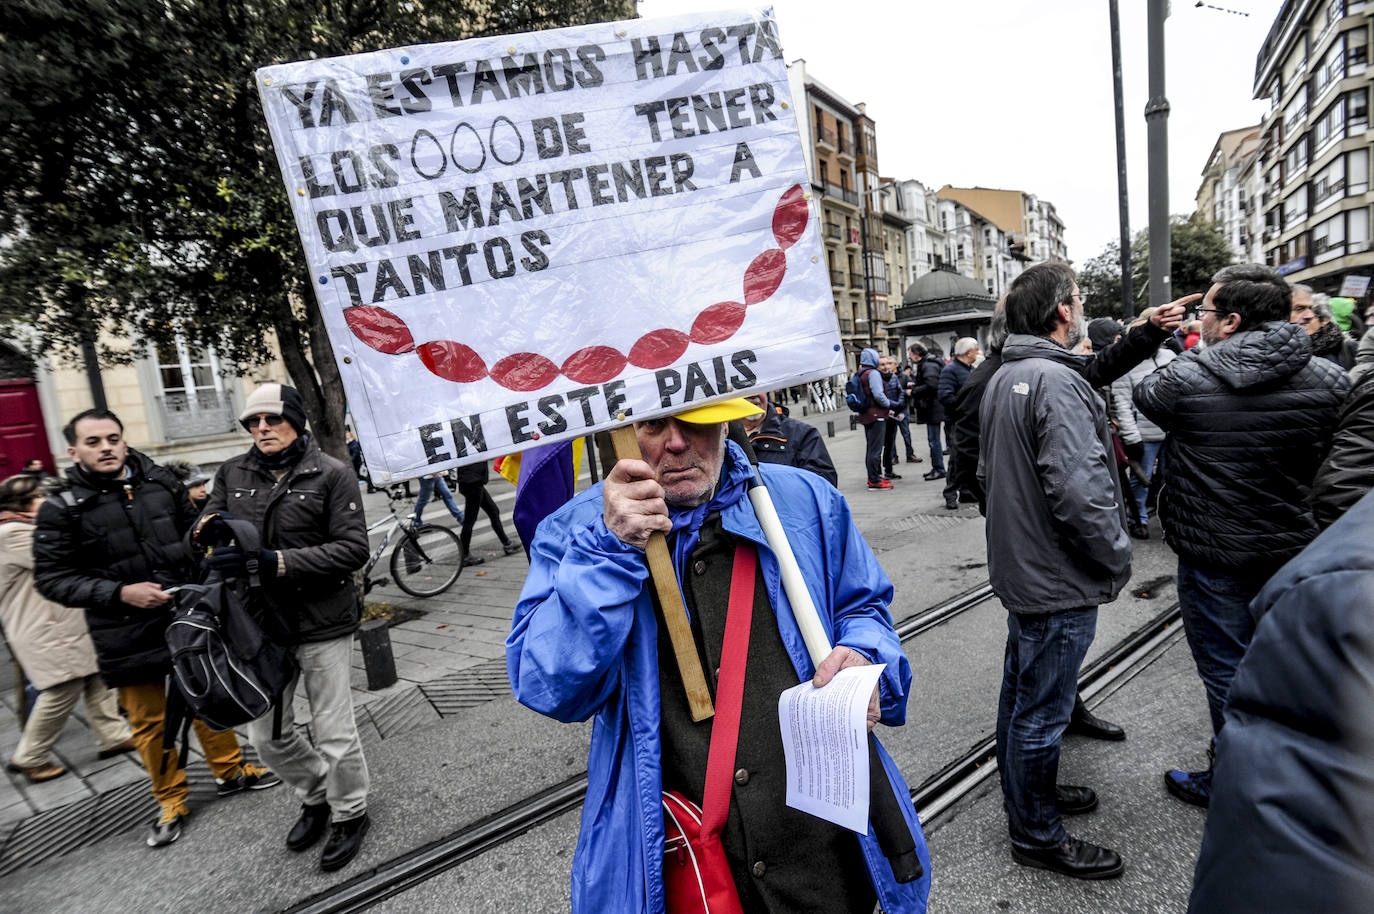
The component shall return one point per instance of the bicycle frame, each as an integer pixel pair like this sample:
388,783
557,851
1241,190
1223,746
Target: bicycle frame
406,526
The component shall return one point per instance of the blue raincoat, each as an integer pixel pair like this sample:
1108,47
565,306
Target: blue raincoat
584,643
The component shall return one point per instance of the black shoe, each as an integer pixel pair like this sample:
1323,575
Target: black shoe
912,458
470,560
510,548
164,833
1085,723
345,839
1139,531
891,475
1075,858
1074,801
933,474
309,828
951,505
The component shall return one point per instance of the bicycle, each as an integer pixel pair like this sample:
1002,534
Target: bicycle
426,561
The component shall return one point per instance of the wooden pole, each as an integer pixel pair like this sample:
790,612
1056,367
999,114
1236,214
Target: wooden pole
625,444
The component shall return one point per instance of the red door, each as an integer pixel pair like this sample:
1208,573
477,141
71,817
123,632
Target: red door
22,436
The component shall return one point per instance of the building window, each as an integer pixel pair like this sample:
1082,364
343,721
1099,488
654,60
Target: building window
191,395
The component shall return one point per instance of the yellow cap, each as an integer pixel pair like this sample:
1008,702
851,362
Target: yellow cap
722,411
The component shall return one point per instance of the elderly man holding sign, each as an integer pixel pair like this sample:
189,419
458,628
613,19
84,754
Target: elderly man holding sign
588,640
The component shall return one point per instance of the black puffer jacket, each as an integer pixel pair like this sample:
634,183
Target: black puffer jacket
791,442
1348,471
924,397
120,531
1249,421
313,519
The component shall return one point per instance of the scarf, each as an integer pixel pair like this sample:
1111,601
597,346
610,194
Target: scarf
14,517
1328,339
285,457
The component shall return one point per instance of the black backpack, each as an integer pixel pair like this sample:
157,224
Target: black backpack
856,393
225,670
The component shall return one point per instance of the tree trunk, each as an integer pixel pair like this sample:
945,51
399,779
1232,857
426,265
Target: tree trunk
328,431
334,403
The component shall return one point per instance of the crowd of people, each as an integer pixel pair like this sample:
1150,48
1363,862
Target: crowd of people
1247,431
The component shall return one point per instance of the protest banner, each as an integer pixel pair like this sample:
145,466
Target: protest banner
523,239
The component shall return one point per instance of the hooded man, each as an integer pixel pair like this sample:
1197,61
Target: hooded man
309,514
874,419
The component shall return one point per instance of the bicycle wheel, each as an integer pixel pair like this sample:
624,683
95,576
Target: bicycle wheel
427,560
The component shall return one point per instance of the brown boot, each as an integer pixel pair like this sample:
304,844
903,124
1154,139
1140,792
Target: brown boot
38,772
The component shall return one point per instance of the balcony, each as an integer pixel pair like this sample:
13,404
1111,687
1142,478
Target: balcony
832,232
825,139
837,279
846,326
846,148
836,192
879,285
206,412
856,281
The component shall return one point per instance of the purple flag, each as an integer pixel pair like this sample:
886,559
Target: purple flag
546,482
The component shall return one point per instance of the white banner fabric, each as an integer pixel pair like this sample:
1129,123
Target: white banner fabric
522,239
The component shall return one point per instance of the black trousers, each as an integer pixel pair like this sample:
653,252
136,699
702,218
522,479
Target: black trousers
475,497
873,449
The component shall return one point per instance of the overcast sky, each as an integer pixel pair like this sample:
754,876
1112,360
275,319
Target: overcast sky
1018,93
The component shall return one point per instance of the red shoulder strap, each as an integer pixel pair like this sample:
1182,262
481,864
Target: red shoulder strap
720,761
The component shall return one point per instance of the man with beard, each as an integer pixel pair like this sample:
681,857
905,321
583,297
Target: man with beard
1249,419
1057,549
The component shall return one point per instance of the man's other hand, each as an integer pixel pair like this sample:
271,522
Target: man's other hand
632,503
1170,317
144,595
842,658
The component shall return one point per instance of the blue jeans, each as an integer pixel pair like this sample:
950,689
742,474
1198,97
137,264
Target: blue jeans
904,426
1217,621
1138,491
1039,684
937,450
429,485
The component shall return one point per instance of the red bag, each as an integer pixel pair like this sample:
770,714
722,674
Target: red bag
696,872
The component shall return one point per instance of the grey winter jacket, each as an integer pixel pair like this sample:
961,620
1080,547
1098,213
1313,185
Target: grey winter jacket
1056,526
1134,425
1249,421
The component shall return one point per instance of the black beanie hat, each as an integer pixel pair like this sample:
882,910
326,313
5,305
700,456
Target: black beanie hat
1103,332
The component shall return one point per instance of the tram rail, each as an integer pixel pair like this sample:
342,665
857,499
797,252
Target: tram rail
934,797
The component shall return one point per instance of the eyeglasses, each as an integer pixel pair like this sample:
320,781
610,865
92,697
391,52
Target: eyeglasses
1213,310
253,422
